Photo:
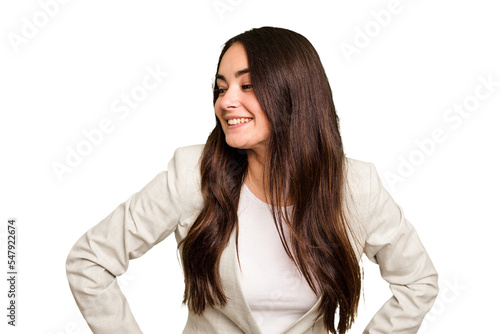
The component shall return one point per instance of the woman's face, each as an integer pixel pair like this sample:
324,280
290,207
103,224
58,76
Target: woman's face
248,126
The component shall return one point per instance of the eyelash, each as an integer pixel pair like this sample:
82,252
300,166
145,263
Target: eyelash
222,90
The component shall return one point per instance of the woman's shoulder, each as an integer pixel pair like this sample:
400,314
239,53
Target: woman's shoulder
359,176
190,152
355,165
186,160
363,185
183,175
366,195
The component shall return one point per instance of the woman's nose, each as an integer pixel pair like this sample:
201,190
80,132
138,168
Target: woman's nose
230,99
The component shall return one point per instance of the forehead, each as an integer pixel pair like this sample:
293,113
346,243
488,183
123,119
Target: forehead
235,59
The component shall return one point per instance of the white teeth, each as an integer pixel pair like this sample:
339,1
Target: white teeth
238,121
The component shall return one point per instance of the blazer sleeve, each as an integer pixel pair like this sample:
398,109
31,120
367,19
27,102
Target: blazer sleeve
393,243
103,253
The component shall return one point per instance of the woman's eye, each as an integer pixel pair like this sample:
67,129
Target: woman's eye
220,91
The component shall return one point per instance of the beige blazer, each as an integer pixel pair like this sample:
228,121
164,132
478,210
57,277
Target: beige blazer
170,203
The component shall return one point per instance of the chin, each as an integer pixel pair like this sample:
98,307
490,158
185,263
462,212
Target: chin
236,144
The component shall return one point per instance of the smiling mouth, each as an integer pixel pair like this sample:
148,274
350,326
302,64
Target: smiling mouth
236,121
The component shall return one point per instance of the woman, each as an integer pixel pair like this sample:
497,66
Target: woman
270,216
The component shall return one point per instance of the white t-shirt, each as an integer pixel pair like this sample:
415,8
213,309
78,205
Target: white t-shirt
273,287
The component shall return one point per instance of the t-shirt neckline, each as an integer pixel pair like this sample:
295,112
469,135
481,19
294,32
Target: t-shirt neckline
258,199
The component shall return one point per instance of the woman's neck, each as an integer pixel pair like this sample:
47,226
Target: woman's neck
255,176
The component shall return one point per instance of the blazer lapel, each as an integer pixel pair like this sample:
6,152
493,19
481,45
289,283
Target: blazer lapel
237,308
305,323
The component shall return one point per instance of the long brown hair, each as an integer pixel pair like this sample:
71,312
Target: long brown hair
305,162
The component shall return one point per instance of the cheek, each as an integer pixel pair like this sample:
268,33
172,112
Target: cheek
266,125
254,105
222,122
218,110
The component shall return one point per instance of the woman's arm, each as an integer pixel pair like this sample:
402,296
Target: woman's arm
393,243
103,253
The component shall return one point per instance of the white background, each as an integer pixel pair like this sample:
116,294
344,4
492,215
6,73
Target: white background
65,76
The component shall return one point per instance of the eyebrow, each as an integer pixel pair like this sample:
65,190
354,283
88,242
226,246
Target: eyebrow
237,74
